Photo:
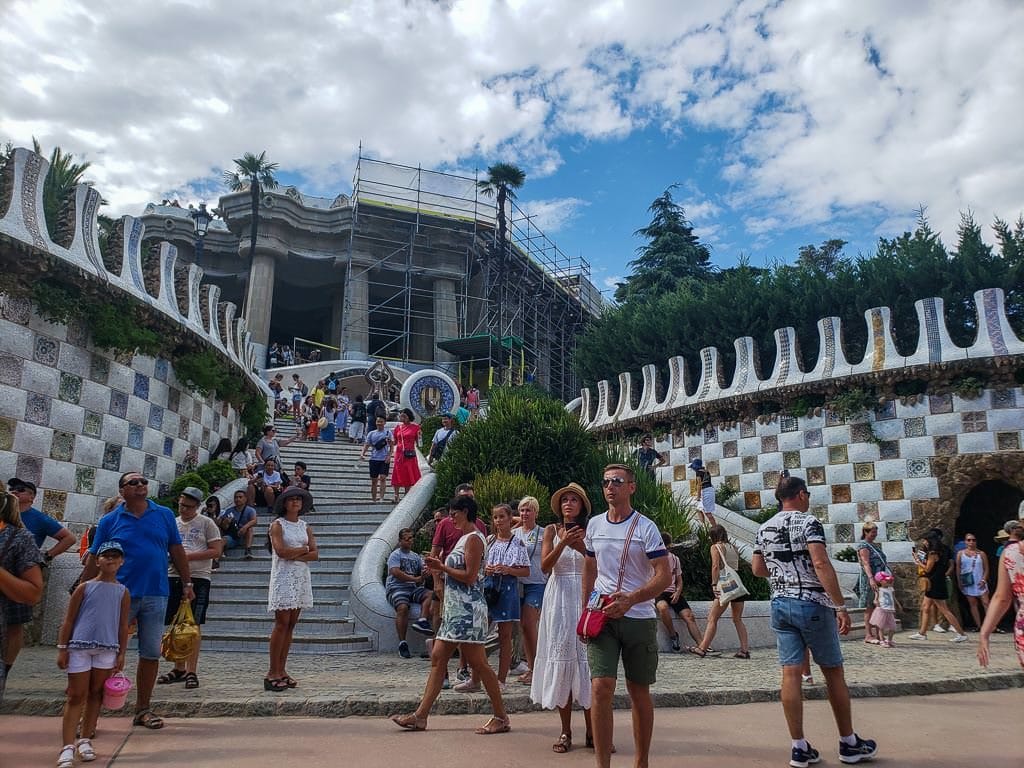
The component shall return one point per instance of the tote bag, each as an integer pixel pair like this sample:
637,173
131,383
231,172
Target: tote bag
729,585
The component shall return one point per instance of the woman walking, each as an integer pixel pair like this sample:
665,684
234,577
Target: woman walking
532,536
407,464
723,551
464,622
972,576
561,673
1009,586
291,587
872,560
936,567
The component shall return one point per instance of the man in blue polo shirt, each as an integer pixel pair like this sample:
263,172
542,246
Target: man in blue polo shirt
148,533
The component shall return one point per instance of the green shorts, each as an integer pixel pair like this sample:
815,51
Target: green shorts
635,641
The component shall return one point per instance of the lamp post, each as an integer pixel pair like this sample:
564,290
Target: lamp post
201,219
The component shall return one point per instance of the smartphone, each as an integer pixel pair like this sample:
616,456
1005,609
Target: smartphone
570,526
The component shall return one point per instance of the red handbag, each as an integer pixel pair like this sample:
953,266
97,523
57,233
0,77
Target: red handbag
592,620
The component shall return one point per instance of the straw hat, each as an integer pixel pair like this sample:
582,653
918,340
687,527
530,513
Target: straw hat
556,497
288,493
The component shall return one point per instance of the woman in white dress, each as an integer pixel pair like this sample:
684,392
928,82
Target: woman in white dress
561,674
291,588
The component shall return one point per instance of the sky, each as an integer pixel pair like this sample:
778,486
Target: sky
782,123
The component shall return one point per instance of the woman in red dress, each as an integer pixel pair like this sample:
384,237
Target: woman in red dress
407,463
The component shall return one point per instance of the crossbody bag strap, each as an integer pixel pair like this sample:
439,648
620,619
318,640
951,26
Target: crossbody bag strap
625,549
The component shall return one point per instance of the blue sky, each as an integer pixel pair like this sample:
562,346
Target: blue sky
784,123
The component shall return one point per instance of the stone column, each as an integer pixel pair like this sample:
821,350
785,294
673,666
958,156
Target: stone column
356,324
259,300
337,319
446,317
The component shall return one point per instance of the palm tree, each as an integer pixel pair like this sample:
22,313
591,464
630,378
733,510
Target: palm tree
64,175
502,179
254,173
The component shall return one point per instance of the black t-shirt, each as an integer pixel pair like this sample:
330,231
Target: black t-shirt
646,457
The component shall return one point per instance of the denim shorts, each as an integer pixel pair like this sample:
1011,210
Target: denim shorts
149,613
507,607
802,624
533,595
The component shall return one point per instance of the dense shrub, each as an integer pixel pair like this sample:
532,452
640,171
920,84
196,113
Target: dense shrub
189,478
428,427
217,473
499,486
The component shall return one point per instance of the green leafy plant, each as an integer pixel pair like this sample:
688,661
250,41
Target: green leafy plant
852,403
428,427
764,514
498,486
189,478
725,492
968,386
695,558
217,473
847,555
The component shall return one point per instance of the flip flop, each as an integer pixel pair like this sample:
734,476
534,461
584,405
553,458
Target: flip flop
494,725
697,652
174,676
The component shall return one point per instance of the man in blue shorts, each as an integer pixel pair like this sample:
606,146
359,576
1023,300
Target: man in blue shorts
149,533
404,587
808,611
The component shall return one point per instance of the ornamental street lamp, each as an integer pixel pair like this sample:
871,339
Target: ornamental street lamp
201,219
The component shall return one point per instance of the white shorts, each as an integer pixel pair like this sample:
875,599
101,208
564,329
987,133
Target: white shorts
707,498
84,659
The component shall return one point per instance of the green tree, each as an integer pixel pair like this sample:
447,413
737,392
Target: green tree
672,255
503,179
255,173
824,259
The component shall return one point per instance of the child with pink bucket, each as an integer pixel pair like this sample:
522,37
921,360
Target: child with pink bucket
90,646
884,615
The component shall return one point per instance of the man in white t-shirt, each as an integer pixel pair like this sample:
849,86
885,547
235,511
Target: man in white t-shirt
629,584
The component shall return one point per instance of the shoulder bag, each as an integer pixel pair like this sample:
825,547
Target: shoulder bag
729,585
593,618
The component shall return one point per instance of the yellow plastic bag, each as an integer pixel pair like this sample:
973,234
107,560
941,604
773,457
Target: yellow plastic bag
181,637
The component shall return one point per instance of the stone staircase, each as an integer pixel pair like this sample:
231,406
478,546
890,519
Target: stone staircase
342,520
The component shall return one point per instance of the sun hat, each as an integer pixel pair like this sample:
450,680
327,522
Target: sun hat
1001,537
556,497
289,493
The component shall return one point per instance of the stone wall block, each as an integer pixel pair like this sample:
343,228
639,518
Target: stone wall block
36,377
920,488
74,360
94,396
1003,419
32,439
115,430
89,451
894,511
976,442
12,402
18,340
42,326
943,423
836,435
58,474
916,447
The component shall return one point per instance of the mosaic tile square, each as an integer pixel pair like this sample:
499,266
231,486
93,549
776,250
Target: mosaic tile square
748,429
46,350
149,466
694,452
62,447
897,532
85,479
197,410
812,438
751,500
1007,441
770,479
216,423
192,457
141,386
914,427
892,490
156,416
174,402
99,369
820,511
789,424
70,387
889,449
169,450
93,426
867,510
118,403
712,468
974,421
919,468
30,468
940,403
769,443
678,471
861,433
815,475
864,471
841,493
7,427
1004,398
887,411
733,480
10,370
833,419
945,445
161,369
17,309
112,457
179,469
710,434
730,449
37,409
54,503
749,464
135,436
183,428
844,533
837,454
791,459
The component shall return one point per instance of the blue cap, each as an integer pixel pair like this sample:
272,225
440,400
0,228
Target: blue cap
110,546
696,464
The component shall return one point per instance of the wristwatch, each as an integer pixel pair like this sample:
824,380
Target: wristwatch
47,557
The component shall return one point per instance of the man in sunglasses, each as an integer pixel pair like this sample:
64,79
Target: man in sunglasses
148,533
625,568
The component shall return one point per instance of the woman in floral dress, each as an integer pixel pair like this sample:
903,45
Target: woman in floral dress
1011,585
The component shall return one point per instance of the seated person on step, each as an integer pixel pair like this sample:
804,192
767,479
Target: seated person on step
237,525
266,484
404,586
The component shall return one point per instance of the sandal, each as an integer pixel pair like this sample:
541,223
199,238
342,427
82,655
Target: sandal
147,719
67,757
410,722
495,725
191,680
276,684
737,655
696,651
174,676
563,745
85,750
290,682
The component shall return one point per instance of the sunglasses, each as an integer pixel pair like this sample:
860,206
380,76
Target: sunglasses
18,489
135,481
618,482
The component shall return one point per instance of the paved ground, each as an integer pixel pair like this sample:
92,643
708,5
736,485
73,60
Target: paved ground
372,684
912,732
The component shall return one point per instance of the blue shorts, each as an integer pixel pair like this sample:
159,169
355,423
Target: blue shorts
801,624
507,607
149,613
533,595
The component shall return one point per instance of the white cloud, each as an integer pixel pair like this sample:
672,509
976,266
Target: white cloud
551,215
612,282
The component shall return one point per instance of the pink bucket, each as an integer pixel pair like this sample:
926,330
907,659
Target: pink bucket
115,690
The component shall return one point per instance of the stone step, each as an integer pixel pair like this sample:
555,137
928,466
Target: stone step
314,626
301,643
239,606
256,589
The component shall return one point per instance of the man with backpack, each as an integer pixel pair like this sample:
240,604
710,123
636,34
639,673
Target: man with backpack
357,425
442,437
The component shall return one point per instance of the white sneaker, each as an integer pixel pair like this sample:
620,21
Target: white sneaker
958,639
939,628
520,669
917,636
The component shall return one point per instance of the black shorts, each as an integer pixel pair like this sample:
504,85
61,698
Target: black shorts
682,605
18,613
202,600
378,469
937,589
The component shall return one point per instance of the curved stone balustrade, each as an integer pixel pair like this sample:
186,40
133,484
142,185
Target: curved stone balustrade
177,292
995,339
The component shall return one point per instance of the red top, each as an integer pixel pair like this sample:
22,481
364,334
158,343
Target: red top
446,535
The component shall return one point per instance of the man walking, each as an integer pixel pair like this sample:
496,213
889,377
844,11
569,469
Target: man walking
148,533
626,568
808,611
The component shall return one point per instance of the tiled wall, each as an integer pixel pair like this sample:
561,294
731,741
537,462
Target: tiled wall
72,418
870,468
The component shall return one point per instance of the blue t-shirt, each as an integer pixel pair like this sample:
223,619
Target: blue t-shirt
409,563
40,525
239,518
375,437
146,540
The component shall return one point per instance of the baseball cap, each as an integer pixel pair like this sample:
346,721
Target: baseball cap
17,482
110,546
193,493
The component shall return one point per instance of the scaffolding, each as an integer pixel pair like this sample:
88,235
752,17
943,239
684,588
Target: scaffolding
425,268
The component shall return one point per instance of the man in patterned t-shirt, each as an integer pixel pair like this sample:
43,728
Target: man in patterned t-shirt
790,551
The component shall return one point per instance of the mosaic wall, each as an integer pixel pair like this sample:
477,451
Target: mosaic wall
873,468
